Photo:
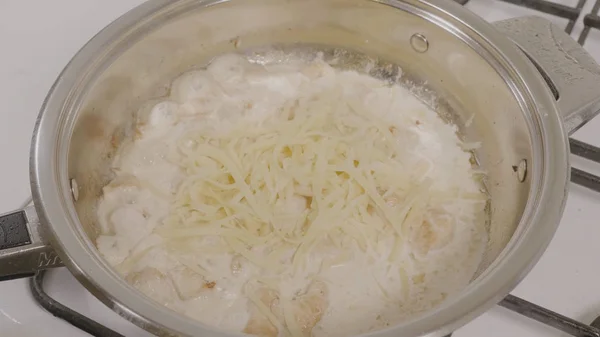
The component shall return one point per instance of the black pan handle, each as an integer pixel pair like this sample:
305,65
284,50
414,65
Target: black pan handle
23,250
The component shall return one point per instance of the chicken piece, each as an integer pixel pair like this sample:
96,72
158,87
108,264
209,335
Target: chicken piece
153,284
433,234
307,309
311,306
259,324
229,69
190,284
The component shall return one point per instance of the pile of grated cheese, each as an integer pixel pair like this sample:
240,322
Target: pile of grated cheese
293,200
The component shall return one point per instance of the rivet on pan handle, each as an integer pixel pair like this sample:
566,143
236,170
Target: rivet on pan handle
571,73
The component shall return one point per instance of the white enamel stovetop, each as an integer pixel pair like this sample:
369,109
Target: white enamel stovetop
38,37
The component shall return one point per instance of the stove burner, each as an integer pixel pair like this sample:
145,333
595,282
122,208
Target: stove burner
551,318
552,8
516,304
58,310
591,20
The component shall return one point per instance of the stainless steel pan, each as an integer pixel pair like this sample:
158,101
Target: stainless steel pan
527,84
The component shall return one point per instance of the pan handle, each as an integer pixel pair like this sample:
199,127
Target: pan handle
571,73
22,247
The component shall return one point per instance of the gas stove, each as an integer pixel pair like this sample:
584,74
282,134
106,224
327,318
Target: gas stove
37,44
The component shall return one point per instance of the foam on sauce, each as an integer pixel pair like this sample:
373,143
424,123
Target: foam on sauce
293,200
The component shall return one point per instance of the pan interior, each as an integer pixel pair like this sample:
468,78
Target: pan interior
453,75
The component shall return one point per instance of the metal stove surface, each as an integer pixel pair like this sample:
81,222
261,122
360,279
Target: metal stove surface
35,46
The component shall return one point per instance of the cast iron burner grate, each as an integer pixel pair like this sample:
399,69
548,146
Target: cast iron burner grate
590,20
516,304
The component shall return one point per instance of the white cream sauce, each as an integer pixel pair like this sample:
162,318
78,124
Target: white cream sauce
363,292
